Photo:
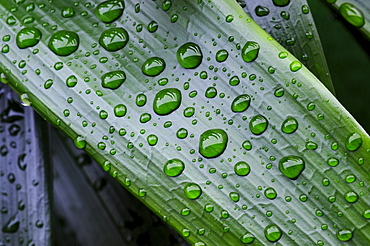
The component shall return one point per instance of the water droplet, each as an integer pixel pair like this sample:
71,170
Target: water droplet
140,100
192,191
291,166
270,193
311,145
289,125
242,168
166,5
211,92
229,18
185,211
350,178
163,81
80,142
166,101
234,80
152,26
295,66
344,235
333,161
48,83
222,55
152,140
68,12
283,55
145,117
113,80
352,14
21,162
189,55
71,81
240,103
12,225
109,11
247,238
120,110
28,37
234,196
273,233
353,141
114,39
366,214
258,124
153,66
64,43
189,111
311,106
25,100
281,3
351,196
247,145
212,143
279,92
261,11
250,51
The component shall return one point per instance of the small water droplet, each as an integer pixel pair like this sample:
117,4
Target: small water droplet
166,5
353,141
109,11
273,233
352,14
344,235
250,51
333,162
192,191
234,196
351,196
242,168
166,101
71,81
291,166
212,143
152,139
258,124
211,92
270,193
261,11
281,3
247,238
289,125
295,66
113,80
68,12
153,66
189,55
12,225
152,26
114,39
120,110
222,55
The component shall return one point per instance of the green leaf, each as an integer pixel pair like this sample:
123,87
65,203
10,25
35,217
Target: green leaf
208,201
294,28
24,174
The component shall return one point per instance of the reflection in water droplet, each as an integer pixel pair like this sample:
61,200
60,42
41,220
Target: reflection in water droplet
113,80
189,55
212,143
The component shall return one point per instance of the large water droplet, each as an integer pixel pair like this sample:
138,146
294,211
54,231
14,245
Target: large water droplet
192,191
273,233
250,51
28,37
289,125
258,124
64,43
114,39
240,103
242,168
212,143
291,166
174,167
153,66
353,141
166,101
12,225
352,14
109,11
189,55
351,196
113,80
344,235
